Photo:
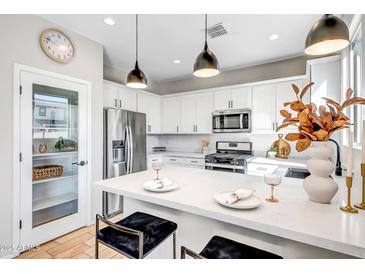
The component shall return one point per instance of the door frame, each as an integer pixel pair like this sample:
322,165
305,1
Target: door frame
17,70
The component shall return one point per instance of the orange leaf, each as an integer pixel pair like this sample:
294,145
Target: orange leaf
354,101
349,93
297,106
303,144
284,125
295,88
308,134
333,103
285,113
293,137
321,134
305,89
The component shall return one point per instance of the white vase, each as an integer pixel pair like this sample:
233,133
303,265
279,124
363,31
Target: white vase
319,186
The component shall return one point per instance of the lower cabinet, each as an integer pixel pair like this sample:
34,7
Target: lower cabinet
176,161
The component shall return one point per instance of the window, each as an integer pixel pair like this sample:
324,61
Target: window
356,82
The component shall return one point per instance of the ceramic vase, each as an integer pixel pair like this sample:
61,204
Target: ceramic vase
320,187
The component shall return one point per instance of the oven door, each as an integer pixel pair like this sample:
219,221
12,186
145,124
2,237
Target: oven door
229,121
225,167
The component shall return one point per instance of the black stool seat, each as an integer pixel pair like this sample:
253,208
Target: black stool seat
154,229
222,248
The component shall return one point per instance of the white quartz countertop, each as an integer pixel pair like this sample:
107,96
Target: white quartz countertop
177,154
294,217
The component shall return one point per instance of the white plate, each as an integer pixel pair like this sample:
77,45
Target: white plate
248,203
149,186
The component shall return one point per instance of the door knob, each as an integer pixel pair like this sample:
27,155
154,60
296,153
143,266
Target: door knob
82,163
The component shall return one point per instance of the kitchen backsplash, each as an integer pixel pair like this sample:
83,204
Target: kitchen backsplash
191,143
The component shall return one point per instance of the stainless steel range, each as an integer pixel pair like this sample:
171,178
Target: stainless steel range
230,157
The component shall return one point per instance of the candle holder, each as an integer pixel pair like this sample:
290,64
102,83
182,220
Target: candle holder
362,204
348,207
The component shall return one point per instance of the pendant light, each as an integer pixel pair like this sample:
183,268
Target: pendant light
206,64
136,77
328,35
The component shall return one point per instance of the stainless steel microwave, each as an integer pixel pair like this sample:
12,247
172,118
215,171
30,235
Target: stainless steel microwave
234,120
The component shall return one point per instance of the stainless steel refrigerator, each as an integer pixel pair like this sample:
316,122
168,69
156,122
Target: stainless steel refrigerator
124,150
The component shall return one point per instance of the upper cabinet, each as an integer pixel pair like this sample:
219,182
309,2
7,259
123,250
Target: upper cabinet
151,105
232,98
196,113
268,100
119,96
263,108
171,114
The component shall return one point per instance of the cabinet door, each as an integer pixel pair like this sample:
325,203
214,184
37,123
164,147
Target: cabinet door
151,105
241,97
222,99
171,114
188,113
204,109
128,98
263,108
284,93
110,95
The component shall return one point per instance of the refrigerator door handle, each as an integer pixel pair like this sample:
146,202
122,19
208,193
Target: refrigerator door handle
131,149
127,148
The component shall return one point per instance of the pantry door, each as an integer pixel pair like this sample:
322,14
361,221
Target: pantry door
54,157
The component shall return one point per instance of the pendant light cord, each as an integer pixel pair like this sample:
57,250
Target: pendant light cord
206,32
136,40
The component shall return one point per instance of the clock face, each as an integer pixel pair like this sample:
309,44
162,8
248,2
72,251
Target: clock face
57,46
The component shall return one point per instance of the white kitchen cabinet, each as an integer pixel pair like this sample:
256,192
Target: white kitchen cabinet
188,113
128,98
171,114
151,105
119,96
241,97
196,113
204,109
263,108
233,98
222,100
110,95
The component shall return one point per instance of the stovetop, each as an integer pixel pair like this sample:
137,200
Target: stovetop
227,156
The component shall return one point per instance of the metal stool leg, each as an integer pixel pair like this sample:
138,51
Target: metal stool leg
182,252
96,249
174,245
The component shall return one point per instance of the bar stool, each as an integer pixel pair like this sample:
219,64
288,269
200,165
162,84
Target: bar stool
222,248
136,235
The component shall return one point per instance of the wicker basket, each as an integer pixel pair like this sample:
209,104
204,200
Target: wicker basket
47,171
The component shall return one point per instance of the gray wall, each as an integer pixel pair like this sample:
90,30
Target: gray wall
19,44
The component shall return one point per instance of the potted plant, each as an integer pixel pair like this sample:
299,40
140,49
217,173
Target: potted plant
315,126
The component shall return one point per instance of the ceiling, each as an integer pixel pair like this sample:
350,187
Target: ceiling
164,38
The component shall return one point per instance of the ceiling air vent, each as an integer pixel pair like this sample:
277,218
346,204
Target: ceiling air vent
217,30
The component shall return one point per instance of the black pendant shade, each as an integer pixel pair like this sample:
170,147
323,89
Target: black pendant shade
328,35
136,77
206,64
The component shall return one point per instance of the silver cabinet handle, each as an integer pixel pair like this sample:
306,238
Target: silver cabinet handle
174,160
231,103
82,163
196,128
273,126
177,128
193,161
120,103
116,103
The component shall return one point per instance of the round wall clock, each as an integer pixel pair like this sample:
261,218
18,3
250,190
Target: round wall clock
57,46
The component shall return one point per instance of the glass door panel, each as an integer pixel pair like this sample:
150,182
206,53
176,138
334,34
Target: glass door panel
55,149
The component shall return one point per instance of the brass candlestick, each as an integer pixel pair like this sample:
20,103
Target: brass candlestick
362,204
348,207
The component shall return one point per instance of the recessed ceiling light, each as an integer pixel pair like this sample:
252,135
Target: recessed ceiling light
273,37
109,21
177,61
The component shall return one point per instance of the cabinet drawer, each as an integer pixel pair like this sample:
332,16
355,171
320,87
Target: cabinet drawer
174,160
194,161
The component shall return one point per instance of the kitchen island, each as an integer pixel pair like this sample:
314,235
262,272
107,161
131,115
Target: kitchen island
293,228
